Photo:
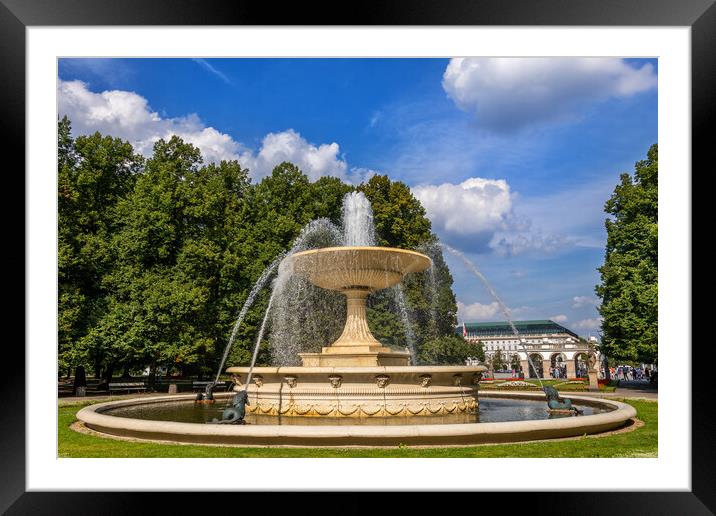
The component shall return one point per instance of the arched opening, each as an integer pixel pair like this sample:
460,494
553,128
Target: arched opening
580,365
558,365
536,362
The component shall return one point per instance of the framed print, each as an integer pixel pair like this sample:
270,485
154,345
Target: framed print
286,241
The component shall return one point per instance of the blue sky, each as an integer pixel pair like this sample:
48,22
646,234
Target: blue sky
512,158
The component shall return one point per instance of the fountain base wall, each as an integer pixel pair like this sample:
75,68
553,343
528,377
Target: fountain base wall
361,392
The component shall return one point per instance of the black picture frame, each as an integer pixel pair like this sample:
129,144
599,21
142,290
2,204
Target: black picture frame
700,15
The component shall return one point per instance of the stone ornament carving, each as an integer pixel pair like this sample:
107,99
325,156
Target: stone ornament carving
291,381
426,380
476,378
336,381
439,408
258,380
236,379
382,380
457,380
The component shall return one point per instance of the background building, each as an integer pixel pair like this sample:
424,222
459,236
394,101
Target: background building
552,348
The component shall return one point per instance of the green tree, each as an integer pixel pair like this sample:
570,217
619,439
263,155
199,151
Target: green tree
158,297
94,173
629,278
450,350
497,360
515,362
400,219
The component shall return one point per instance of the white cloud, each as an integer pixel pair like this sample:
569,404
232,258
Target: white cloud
127,115
478,311
477,215
510,93
561,318
589,324
486,312
314,161
580,301
474,206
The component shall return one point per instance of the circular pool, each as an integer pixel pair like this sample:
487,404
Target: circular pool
502,417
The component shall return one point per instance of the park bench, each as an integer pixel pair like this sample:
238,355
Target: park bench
201,386
127,386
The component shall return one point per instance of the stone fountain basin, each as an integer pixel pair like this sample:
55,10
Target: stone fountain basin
342,268
95,418
361,392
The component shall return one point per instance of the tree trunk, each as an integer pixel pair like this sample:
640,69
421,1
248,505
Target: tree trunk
80,380
152,375
108,373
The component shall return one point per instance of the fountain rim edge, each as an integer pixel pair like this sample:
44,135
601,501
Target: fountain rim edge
371,248
94,416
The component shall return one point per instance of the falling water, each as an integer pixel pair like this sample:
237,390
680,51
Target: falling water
265,275
358,227
285,304
316,233
432,284
433,250
503,308
409,333
258,339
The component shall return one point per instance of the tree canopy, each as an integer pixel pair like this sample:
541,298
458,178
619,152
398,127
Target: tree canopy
629,278
157,255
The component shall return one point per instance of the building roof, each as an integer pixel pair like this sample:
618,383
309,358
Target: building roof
500,328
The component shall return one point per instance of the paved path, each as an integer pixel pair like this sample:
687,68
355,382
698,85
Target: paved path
627,389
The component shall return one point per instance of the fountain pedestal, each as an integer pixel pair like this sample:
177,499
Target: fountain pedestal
356,346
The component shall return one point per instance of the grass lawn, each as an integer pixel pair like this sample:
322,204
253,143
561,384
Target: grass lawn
641,442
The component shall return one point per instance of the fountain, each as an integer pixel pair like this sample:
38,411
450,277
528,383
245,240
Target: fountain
356,376
354,391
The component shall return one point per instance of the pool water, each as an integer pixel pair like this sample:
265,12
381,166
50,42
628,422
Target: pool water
491,410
